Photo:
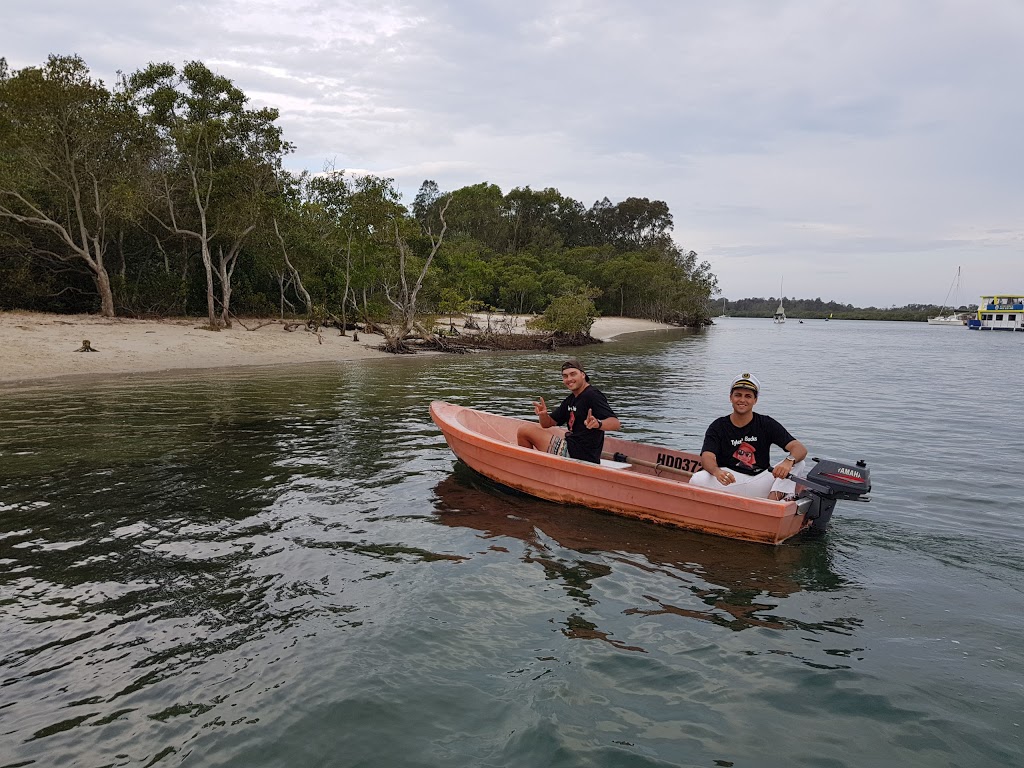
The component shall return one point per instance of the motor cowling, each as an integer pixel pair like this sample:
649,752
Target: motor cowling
829,481
838,480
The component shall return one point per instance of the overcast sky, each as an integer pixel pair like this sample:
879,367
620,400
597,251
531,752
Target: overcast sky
860,149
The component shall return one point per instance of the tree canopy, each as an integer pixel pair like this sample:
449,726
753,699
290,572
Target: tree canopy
818,309
167,194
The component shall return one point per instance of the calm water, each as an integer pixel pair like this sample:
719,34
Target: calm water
288,568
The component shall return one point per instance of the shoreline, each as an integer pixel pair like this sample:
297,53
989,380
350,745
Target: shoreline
38,348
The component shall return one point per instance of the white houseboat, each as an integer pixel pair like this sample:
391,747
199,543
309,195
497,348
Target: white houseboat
999,313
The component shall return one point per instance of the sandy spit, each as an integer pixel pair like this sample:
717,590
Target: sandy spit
37,346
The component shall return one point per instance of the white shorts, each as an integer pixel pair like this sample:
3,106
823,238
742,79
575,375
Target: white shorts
752,486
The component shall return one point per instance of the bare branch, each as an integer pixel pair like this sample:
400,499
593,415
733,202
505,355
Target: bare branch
294,272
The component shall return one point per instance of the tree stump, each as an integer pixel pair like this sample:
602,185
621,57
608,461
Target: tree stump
86,347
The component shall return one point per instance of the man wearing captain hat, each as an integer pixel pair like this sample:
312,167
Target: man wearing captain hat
735,454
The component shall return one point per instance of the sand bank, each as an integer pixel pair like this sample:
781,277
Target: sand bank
36,346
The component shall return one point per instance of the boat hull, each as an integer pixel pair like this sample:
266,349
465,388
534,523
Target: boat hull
487,444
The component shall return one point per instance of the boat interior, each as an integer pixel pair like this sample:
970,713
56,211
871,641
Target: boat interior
620,454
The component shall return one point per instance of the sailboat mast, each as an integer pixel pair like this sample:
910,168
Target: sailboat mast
956,281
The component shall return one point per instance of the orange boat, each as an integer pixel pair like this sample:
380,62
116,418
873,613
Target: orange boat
644,481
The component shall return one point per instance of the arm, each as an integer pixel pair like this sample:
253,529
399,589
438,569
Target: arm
608,424
797,453
710,463
606,420
541,409
709,455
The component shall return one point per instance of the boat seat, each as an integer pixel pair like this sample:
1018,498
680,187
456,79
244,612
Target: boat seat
615,464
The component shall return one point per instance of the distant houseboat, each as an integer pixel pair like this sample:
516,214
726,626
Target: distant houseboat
999,313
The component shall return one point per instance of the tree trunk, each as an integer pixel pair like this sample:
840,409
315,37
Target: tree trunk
227,270
90,249
208,266
225,288
348,282
106,294
280,288
405,303
94,259
123,265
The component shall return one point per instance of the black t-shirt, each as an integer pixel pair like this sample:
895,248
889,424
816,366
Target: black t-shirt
581,442
745,449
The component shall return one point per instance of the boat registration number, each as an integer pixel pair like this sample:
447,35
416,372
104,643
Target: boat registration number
679,462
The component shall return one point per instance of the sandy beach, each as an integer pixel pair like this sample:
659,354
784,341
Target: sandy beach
37,346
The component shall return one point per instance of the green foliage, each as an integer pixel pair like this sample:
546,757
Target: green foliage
521,291
196,211
27,285
818,309
572,314
150,292
452,303
218,165
67,149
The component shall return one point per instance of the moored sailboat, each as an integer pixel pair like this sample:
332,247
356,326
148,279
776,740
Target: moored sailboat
953,318
780,313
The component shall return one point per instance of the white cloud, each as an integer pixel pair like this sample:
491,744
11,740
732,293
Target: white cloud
863,149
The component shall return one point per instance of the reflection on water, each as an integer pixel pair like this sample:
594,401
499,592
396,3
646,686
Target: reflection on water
732,584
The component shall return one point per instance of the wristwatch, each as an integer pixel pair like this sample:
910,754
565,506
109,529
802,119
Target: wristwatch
600,423
791,458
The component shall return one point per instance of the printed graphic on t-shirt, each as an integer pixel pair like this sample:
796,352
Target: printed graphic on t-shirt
745,454
572,416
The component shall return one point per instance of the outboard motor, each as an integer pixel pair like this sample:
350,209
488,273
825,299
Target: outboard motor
830,481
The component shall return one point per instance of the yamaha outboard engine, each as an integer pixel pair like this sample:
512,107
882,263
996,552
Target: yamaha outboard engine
828,482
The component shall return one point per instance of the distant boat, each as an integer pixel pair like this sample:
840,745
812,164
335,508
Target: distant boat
999,313
723,309
829,317
953,318
780,313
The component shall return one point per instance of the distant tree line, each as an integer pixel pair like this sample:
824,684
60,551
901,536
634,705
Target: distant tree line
167,195
818,309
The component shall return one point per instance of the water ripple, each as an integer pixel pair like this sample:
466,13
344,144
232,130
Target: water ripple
289,568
